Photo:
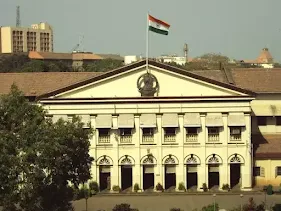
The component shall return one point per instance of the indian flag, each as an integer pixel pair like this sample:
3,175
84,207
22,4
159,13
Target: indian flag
158,26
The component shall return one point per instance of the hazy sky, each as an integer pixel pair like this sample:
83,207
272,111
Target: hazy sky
236,28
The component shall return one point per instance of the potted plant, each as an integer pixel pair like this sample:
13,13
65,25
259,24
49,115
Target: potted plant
159,187
181,187
94,187
116,189
204,187
136,187
225,187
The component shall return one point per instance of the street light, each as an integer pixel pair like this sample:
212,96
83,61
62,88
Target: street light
214,195
241,204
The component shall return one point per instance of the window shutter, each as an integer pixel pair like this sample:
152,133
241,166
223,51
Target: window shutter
262,172
276,171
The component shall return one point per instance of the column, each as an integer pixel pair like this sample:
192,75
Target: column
136,141
224,170
202,169
180,152
93,150
246,169
115,173
159,177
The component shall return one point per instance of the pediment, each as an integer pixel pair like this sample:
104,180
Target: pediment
163,81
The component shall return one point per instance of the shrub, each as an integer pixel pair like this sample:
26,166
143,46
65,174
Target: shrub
175,209
75,193
211,207
276,207
269,190
159,187
181,186
94,187
204,187
123,207
225,187
136,187
116,188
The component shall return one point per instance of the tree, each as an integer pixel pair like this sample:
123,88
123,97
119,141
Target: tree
39,158
11,63
277,65
213,58
209,61
103,65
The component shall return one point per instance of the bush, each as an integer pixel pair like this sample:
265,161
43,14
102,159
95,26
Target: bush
94,187
175,209
181,186
204,187
276,207
211,207
225,187
159,187
123,207
116,188
269,190
136,187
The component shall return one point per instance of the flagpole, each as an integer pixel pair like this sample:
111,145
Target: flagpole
147,41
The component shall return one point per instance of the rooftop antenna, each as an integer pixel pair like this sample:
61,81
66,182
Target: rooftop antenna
185,50
18,21
79,45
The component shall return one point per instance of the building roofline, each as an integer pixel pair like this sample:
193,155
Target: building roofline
140,64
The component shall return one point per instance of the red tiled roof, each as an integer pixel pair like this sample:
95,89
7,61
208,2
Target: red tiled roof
267,146
258,80
34,84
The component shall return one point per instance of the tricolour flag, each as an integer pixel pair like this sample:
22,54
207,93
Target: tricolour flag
158,26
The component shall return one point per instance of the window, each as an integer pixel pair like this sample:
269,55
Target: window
278,171
257,171
170,131
261,120
235,131
147,131
278,120
104,132
213,130
191,130
126,132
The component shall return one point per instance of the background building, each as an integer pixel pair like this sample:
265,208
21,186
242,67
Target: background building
38,37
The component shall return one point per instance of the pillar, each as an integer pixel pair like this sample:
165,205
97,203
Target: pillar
246,169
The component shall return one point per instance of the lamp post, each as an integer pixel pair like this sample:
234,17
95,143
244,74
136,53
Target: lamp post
241,204
214,195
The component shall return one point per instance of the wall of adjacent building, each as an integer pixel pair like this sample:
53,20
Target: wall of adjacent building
6,40
268,174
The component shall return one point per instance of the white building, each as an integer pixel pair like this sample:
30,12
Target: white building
189,129
167,125
38,37
180,60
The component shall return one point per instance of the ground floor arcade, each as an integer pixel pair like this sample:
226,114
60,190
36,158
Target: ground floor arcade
193,173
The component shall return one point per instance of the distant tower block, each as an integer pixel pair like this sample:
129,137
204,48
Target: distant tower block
185,50
18,21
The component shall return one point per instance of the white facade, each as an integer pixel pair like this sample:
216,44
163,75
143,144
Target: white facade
193,131
180,60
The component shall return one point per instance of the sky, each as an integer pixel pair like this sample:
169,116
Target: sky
238,29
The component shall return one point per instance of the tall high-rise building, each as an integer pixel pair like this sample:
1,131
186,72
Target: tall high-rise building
38,37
